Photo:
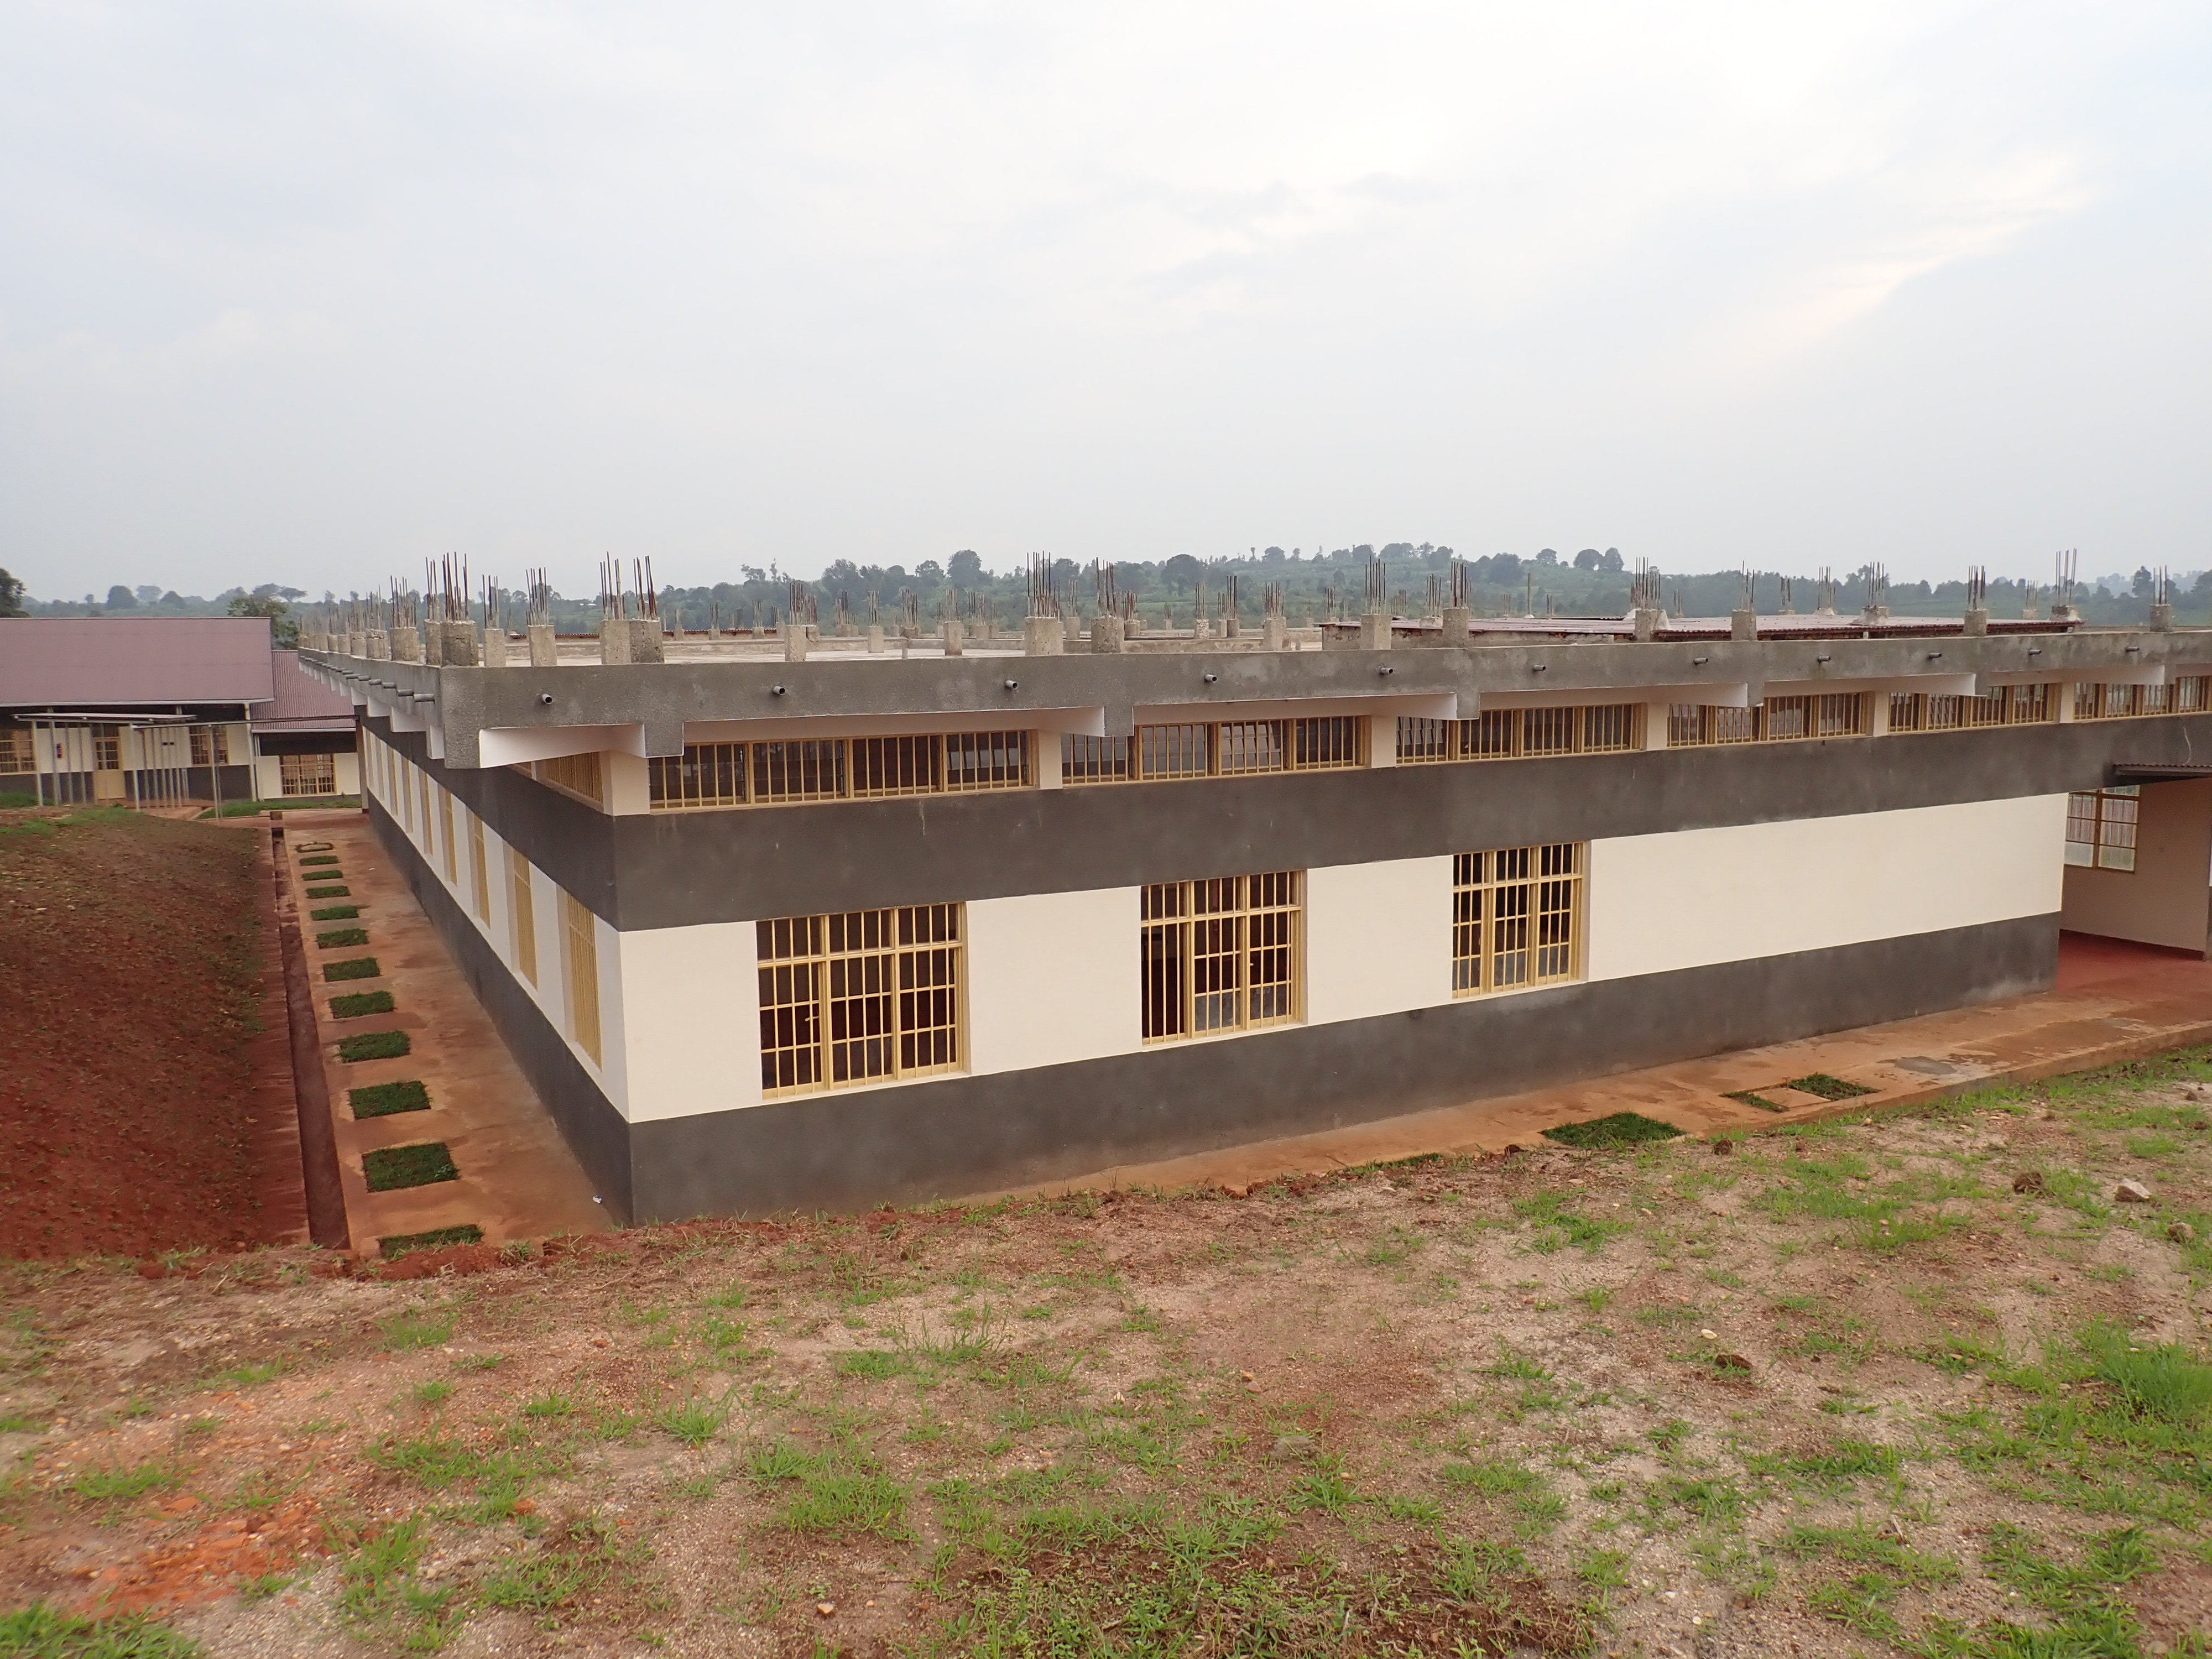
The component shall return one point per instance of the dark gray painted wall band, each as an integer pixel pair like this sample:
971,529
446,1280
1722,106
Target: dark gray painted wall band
967,1134
677,869
594,1130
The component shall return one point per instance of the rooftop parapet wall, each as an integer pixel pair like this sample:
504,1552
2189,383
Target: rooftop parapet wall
645,709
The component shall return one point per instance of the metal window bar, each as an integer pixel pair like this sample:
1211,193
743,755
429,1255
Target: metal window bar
1516,917
1219,955
1175,751
858,997
1248,746
1424,742
1328,742
1097,760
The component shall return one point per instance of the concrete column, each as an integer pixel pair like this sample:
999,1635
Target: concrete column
406,645
795,644
2064,613
1232,626
376,645
460,644
1743,624
1042,636
1977,622
357,643
2063,691
1878,714
1070,631
614,640
1644,620
1047,760
1458,623
955,638
2161,619
1274,633
875,640
1106,633
1875,613
495,647
1374,631
1654,725
543,653
1381,740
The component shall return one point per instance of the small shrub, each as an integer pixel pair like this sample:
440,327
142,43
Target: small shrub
695,1422
335,913
437,1238
338,936
375,1045
329,892
358,1003
1828,1088
1620,1129
357,967
423,1164
384,1100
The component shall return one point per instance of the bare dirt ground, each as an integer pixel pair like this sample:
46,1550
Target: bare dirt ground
1921,1384
131,961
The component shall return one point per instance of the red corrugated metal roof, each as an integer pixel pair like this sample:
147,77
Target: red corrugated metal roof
97,662
301,704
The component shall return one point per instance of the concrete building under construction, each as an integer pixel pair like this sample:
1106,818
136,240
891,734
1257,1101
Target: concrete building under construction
821,921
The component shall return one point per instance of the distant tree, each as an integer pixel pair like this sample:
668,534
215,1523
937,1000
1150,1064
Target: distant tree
965,567
149,594
843,573
1589,559
1181,571
120,598
2143,582
11,595
1273,555
1549,555
173,597
929,573
283,630
1612,560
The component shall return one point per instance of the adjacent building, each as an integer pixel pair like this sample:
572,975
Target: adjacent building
153,711
848,924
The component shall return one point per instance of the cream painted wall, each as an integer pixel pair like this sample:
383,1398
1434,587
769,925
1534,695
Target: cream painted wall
691,1018
1378,939
1699,897
1053,977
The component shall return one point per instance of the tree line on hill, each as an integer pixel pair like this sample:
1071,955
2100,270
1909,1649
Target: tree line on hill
1591,582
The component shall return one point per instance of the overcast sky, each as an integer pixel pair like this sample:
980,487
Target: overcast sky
306,291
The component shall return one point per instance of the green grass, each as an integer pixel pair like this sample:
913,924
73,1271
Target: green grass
384,1099
437,1238
360,1003
40,1632
120,1486
1752,1097
329,892
375,1045
340,936
1620,1129
423,1164
1828,1088
357,967
335,913
418,1327
319,858
246,809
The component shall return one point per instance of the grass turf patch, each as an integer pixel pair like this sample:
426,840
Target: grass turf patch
335,913
383,1099
338,936
1752,1097
1621,1129
437,1238
421,1165
357,967
319,858
360,1003
329,892
375,1045
1828,1088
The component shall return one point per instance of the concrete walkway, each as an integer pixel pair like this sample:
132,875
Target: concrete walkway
2113,1001
518,1178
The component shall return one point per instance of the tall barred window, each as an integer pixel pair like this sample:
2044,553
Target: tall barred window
1516,917
1220,955
861,996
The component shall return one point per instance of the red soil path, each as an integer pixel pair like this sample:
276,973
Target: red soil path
135,1110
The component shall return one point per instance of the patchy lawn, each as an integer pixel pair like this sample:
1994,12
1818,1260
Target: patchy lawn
1841,1389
